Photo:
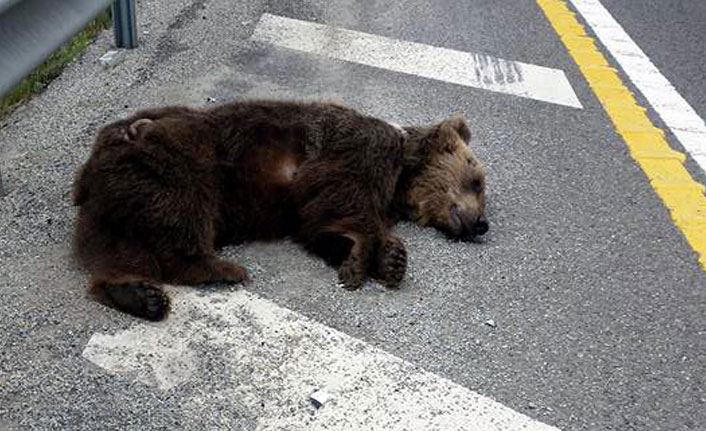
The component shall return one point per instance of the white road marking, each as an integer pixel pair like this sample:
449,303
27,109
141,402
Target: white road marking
676,112
457,67
275,359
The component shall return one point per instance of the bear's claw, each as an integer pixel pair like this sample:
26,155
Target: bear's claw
351,275
231,272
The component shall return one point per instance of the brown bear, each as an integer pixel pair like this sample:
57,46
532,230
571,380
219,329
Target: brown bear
164,188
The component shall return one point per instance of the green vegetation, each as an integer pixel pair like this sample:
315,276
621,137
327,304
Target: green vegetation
54,64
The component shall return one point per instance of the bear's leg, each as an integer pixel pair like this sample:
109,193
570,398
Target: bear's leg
354,268
204,269
391,263
124,275
133,296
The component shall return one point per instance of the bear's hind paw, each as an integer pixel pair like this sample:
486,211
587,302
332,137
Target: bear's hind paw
139,299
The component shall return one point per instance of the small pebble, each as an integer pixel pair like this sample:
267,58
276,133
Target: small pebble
319,398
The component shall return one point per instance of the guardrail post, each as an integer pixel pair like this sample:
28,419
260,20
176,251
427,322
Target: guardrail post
125,23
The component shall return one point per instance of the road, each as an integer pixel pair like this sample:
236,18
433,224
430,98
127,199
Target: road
584,307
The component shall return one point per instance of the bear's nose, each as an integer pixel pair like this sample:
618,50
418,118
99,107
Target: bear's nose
480,227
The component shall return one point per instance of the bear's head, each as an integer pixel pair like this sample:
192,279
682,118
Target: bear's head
444,183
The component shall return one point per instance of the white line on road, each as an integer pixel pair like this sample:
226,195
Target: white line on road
275,358
676,112
457,67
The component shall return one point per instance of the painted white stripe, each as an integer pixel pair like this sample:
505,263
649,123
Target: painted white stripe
275,358
676,112
457,67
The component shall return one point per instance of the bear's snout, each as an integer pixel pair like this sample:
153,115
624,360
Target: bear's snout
465,224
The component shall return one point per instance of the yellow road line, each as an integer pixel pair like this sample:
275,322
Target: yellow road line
682,195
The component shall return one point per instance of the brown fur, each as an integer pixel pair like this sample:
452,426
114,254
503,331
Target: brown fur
166,186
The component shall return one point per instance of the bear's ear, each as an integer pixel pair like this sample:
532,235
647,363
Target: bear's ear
456,123
138,128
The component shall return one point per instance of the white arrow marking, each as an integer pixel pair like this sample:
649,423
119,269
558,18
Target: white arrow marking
275,359
457,67
676,112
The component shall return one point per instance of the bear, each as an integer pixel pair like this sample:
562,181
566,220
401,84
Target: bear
166,187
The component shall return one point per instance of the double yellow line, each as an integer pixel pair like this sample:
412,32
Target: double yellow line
663,166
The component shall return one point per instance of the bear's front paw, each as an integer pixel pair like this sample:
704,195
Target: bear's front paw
392,263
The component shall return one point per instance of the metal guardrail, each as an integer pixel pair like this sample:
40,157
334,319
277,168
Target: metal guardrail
125,23
30,30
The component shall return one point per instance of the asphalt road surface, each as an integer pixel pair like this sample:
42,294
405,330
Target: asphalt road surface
582,309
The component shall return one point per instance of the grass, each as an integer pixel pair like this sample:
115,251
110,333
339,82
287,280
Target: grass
52,67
